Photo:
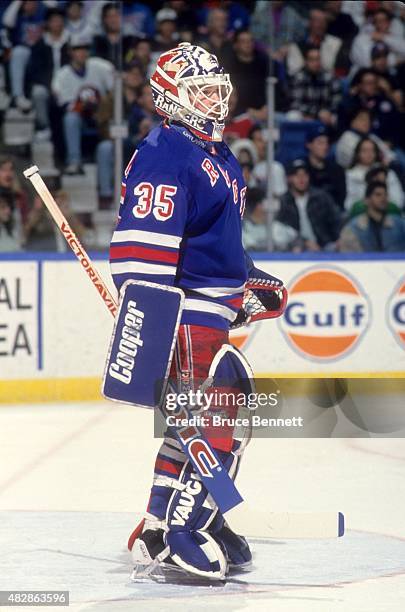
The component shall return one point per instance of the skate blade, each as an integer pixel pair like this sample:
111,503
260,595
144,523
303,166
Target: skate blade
169,574
143,573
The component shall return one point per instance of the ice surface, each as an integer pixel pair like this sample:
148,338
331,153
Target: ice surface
74,479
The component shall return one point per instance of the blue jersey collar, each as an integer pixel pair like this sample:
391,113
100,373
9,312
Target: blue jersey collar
215,148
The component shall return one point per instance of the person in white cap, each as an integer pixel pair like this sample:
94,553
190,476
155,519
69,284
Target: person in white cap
166,34
77,88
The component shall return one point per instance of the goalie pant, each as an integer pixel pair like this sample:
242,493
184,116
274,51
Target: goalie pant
188,527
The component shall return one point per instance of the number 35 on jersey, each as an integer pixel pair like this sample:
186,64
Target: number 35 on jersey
158,202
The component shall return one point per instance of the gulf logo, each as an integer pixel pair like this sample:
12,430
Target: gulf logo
396,313
326,315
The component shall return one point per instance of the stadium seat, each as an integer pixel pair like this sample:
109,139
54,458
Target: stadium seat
293,135
82,189
18,128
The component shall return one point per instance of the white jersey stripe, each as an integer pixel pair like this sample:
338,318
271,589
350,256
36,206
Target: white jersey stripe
140,267
203,306
218,291
147,237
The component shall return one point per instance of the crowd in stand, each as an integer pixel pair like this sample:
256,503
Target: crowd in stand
340,70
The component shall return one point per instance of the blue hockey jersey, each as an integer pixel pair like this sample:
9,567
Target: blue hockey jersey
180,223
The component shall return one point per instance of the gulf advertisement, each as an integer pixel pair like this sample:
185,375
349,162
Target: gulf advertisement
343,317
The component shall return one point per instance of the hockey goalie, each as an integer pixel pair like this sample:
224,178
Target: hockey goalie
183,196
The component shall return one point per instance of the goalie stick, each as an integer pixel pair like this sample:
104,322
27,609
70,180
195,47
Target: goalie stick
253,523
205,461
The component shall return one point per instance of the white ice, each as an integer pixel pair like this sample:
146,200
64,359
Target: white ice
74,479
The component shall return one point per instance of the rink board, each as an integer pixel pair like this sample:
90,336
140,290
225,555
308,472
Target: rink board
345,318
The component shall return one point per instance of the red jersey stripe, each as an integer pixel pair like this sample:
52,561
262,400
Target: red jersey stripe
138,252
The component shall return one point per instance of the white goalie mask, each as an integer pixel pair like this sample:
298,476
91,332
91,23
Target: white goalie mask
188,85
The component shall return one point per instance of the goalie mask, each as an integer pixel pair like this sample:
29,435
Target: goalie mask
189,86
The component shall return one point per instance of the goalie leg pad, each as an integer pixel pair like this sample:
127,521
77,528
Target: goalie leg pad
190,507
142,343
194,529
190,513
229,376
197,552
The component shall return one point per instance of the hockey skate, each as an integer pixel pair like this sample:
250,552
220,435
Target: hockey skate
154,563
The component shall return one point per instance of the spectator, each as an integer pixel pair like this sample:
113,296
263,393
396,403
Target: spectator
366,156
216,40
317,36
245,151
187,22
92,15
389,79
375,230
260,169
141,52
248,177
238,15
143,118
10,186
325,173
381,32
366,92
254,229
288,26
109,45
248,68
48,55
24,21
236,126
378,173
133,84
77,22
315,94
396,9
355,10
137,19
39,230
359,127
308,219
166,36
340,24
78,87
5,50
9,240
41,233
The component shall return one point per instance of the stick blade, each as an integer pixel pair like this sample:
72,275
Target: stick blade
283,525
